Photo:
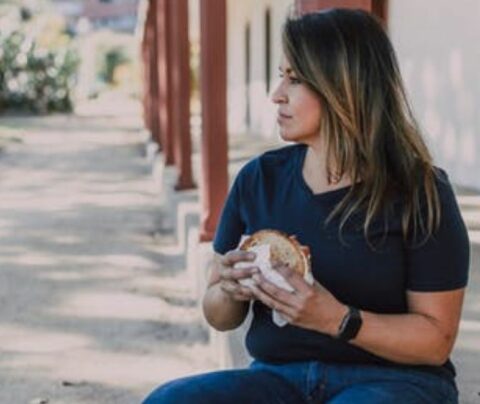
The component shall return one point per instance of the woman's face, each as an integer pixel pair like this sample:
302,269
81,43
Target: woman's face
299,109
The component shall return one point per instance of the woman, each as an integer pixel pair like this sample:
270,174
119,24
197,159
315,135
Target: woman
390,252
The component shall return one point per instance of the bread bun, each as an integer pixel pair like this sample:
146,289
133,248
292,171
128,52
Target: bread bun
283,248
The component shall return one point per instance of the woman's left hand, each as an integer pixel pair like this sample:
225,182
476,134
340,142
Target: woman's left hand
309,306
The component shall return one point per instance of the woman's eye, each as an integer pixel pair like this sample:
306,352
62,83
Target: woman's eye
292,80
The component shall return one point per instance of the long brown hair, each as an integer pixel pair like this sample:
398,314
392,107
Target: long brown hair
370,133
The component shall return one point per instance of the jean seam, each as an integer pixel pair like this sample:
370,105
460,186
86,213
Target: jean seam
315,385
323,380
310,377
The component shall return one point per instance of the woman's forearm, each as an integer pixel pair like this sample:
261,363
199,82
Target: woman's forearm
222,312
403,338
423,336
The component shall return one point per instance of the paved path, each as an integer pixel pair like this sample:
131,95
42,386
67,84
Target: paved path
91,310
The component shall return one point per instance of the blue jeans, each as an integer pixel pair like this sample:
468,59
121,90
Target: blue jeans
308,382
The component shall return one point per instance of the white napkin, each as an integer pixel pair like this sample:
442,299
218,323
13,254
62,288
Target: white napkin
262,261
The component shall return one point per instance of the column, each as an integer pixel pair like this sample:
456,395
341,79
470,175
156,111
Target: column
145,49
164,68
180,85
154,117
214,147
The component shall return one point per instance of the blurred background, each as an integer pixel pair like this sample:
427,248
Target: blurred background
122,126
57,54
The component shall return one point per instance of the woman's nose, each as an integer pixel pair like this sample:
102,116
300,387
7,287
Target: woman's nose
278,95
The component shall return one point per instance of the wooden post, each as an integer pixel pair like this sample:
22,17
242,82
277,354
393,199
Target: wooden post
164,73
180,65
214,146
146,44
154,117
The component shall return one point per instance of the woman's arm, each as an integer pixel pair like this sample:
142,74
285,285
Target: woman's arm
425,335
226,302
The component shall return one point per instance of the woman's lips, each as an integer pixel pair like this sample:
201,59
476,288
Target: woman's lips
282,117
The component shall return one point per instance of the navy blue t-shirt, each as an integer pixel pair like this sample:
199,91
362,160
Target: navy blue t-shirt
270,193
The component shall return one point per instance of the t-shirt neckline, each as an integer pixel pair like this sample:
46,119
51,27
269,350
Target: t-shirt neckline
326,195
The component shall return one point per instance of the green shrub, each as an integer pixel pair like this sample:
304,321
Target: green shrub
33,78
113,58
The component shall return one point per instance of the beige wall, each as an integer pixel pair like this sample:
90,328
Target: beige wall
262,111
437,42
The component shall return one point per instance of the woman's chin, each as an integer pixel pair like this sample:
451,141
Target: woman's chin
284,134
288,137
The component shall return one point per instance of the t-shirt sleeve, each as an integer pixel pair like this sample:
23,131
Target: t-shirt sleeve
231,225
443,261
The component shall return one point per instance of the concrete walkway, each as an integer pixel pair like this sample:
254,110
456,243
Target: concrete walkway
94,303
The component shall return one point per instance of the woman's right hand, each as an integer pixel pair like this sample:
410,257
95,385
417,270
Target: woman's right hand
230,276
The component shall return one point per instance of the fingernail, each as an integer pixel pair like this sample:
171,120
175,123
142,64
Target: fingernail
251,255
256,278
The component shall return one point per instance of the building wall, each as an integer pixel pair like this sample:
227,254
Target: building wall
249,108
118,15
109,9
437,45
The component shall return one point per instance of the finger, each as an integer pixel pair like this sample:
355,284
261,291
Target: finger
294,279
272,303
240,298
274,291
229,287
235,287
234,256
242,273
244,293
238,291
236,274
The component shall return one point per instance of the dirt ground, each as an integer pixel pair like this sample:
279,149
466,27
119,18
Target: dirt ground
92,305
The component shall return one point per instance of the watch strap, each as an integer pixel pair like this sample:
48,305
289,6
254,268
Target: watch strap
350,325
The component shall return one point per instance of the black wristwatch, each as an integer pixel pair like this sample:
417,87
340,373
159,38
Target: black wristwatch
350,325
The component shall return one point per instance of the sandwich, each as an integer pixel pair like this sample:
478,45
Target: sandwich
284,249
